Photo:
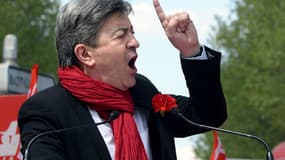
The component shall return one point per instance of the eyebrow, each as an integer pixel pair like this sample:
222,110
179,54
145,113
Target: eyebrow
125,29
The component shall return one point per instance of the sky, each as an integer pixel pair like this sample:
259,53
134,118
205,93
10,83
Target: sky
158,59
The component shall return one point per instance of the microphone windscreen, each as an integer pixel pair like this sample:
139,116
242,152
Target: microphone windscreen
174,111
114,115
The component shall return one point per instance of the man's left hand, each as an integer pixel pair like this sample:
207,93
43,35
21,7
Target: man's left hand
180,30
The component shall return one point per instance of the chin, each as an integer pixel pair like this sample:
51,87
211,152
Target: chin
131,83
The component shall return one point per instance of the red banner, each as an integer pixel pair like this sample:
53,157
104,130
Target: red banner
9,132
218,152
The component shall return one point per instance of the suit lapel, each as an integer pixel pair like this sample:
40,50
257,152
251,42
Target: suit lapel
93,137
161,141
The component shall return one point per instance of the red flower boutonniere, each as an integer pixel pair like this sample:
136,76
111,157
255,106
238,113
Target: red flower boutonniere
163,103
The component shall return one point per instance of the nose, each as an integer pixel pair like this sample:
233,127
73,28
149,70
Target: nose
133,42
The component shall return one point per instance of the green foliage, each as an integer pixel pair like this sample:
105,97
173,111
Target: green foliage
253,76
32,21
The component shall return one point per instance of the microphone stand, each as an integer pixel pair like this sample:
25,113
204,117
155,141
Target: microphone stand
269,155
113,115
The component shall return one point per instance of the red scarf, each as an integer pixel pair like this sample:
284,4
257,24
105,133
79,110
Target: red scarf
104,98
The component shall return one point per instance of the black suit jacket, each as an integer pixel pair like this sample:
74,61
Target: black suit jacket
56,108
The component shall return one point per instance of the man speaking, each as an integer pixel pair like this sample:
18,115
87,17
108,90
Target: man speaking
96,48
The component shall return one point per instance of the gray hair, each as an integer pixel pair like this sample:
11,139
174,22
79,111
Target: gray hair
79,21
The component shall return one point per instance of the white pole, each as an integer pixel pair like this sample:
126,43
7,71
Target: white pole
10,49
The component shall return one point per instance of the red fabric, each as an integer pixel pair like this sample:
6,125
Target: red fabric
34,80
10,144
279,151
218,152
104,98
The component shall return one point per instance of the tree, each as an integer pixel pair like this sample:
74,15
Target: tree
33,23
253,76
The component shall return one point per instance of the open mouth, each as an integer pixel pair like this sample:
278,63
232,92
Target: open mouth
132,62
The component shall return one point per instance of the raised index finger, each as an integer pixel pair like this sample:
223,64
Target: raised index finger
159,11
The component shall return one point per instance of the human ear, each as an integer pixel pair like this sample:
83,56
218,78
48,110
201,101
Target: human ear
84,55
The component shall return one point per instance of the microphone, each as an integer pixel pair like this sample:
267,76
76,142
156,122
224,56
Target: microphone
269,155
113,115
